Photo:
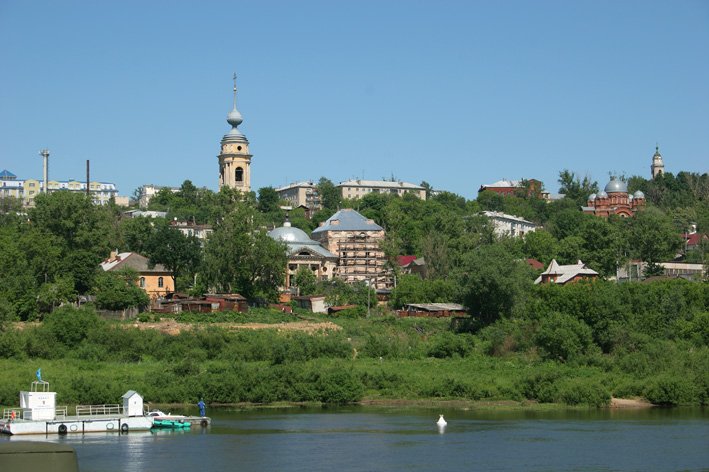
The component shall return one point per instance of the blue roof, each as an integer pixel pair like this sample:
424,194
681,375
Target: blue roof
7,175
348,220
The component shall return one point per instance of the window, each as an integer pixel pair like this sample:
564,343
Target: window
160,282
239,174
142,282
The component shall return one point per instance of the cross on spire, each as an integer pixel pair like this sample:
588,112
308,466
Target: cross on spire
234,90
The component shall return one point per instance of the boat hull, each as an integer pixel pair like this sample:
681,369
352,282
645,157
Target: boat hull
77,425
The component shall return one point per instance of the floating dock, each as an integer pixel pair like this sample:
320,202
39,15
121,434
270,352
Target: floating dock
38,414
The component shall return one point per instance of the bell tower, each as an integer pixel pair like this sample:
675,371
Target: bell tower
234,158
657,167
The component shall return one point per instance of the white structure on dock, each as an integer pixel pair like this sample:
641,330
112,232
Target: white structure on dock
38,414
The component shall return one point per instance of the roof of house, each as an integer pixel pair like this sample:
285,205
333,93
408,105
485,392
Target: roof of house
405,260
6,174
534,264
503,183
436,306
348,219
498,215
565,273
133,261
379,184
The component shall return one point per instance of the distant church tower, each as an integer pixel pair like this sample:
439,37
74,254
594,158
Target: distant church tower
234,158
657,167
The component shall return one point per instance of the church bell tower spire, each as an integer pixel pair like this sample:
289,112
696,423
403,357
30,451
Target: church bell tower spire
234,158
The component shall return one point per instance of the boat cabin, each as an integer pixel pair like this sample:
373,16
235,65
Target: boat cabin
132,404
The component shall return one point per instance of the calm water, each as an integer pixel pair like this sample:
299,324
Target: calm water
374,439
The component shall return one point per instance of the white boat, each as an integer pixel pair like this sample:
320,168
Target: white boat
38,414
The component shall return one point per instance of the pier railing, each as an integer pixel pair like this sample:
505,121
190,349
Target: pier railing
60,412
98,410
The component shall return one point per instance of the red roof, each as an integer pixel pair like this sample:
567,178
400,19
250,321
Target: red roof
694,239
535,264
405,260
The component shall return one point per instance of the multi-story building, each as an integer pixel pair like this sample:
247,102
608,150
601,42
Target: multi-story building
511,187
356,242
353,189
509,225
26,190
301,194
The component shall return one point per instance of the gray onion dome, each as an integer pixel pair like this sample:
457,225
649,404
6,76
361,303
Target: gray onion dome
602,194
616,186
592,196
639,194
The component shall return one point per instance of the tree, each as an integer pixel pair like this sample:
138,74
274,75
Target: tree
330,196
427,188
118,290
540,245
239,257
306,282
574,188
179,254
268,200
494,283
654,238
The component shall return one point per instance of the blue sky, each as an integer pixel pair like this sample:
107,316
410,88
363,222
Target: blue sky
455,93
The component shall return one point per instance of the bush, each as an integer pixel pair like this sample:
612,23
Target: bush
563,337
584,391
669,390
446,345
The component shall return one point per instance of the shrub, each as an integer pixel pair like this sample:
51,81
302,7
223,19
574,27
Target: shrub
563,337
584,391
669,390
449,345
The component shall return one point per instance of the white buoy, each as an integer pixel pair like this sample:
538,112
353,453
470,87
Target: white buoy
441,421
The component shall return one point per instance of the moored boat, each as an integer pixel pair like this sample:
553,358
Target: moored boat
38,414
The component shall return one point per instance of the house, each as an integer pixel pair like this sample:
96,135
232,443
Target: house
562,274
157,281
412,265
509,225
433,310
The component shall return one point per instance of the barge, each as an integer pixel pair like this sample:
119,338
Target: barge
38,414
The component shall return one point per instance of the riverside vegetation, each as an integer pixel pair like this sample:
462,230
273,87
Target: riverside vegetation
631,340
578,344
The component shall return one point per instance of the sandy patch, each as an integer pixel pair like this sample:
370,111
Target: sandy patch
630,403
173,327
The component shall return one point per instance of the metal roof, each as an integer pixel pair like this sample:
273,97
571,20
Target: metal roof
348,219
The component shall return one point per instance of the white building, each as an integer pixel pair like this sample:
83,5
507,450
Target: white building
509,225
353,189
148,191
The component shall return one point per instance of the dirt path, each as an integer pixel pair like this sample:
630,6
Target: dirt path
174,328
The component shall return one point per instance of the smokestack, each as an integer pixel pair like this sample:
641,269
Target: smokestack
45,157
88,190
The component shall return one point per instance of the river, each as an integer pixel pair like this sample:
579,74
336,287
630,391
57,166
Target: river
399,439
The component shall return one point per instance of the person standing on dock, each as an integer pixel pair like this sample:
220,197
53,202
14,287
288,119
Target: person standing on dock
201,406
